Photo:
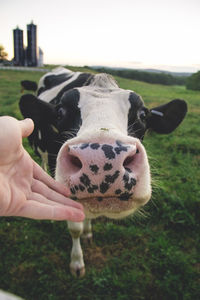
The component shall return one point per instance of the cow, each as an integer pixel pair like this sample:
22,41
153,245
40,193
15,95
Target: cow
89,132
28,85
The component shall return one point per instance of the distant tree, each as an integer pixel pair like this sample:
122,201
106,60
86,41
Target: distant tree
193,82
3,53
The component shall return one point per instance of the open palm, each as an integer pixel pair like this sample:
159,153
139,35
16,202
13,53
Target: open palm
25,189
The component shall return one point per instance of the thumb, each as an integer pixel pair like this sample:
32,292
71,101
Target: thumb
27,127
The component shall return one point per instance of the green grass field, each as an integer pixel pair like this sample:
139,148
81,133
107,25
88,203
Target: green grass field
152,255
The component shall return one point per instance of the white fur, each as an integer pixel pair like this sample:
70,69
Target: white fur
103,108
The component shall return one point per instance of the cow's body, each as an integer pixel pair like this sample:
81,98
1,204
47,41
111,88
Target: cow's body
82,121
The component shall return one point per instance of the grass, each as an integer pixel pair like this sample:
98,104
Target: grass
153,255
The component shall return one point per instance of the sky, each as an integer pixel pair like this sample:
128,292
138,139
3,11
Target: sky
162,34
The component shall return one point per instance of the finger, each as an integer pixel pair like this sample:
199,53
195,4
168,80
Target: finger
41,189
27,127
41,175
36,210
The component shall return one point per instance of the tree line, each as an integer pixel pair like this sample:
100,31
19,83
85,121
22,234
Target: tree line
150,77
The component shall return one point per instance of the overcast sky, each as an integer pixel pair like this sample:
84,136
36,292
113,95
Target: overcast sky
130,33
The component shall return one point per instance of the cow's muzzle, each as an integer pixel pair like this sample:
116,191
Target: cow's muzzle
97,172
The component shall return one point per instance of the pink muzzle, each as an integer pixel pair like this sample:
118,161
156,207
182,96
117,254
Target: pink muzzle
100,171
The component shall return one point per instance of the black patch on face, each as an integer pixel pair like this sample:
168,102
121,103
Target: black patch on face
92,188
112,178
136,123
117,192
94,146
107,167
81,187
67,116
128,170
126,177
108,151
76,187
104,186
94,168
125,196
85,180
84,146
130,184
73,191
120,147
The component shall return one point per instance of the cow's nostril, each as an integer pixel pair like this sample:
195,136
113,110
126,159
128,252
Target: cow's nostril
75,161
128,161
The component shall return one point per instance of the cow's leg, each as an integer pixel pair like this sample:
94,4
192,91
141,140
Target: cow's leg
87,232
77,265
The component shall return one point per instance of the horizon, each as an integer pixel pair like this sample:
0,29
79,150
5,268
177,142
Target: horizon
129,34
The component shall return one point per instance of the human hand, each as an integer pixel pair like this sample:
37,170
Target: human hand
25,189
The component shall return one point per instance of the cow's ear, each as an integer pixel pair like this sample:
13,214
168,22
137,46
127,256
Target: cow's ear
36,109
165,118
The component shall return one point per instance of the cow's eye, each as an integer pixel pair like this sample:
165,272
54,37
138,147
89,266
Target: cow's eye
60,113
143,115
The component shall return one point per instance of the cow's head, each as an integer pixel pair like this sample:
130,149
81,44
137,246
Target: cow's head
104,164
